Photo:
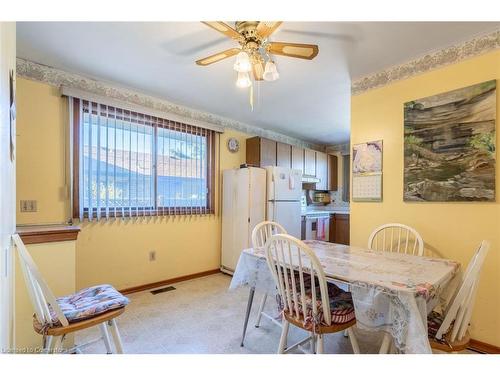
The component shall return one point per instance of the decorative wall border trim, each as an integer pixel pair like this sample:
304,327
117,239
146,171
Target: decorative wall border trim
343,148
433,60
57,77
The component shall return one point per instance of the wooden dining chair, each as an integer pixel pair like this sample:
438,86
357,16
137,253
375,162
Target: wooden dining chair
448,332
55,317
260,234
395,237
306,299
400,238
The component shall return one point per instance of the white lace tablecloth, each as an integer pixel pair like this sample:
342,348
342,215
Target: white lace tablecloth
392,292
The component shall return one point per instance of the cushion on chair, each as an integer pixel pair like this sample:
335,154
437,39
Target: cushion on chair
434,322
341,304
90,302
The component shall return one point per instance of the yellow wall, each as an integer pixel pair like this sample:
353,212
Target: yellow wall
56,262
114,252
41,166
451,230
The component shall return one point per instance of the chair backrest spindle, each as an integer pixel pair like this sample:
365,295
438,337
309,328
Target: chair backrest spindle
263,231
288,273
42,298
413,243
459,311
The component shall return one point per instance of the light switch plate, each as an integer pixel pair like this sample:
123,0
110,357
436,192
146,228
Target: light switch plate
28,206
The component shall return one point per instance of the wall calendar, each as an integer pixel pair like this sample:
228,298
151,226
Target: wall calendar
367,172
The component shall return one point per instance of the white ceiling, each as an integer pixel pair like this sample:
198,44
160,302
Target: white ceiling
310,101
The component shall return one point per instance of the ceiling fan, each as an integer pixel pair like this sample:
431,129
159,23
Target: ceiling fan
255,50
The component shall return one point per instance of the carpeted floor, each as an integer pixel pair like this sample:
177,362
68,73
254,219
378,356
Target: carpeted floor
202,316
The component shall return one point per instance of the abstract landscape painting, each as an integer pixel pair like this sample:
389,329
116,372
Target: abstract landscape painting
449,146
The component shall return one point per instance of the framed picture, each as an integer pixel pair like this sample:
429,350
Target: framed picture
449,146
367,172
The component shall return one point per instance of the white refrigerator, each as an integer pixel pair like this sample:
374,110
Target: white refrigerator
284,190
252,195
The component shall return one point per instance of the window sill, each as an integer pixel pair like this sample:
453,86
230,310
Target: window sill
34,234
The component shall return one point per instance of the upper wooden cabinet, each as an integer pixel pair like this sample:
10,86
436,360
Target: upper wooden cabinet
309,162
261,152
267,152
283,155
333,173
322,171
298,158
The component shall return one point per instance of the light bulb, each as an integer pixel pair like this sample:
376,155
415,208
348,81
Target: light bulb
242,63
270,72
243,80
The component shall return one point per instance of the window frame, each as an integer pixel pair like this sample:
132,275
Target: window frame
156,210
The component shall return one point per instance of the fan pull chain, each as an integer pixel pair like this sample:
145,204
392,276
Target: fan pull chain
251,96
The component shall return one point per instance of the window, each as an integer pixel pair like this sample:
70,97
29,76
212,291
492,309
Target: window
126,164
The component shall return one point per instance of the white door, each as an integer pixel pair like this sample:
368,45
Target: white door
7,184
243,207
284,183
286,213
235,203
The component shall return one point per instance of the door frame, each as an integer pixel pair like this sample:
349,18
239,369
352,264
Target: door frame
7,185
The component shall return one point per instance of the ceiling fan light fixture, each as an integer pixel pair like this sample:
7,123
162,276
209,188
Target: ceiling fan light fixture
270,72
242,63
243,80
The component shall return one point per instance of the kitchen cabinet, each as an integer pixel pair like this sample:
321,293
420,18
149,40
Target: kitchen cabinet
339,229
267,152
333,173
261,152
322,170
309,162
298,158
283,155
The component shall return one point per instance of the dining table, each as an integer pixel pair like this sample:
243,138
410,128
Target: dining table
392,292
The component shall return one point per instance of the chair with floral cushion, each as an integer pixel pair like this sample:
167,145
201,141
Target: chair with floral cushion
448,332
55,317
306,299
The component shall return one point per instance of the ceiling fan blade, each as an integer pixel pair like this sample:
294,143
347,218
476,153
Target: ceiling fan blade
266,28
301,51
318,34
224,29
258,70
218,57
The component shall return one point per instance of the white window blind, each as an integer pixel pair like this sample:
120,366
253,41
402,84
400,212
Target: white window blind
132,165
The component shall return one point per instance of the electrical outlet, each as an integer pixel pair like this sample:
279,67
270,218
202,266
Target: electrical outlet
152,256
28,206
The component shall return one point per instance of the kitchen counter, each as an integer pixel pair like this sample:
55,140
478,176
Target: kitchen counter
329,211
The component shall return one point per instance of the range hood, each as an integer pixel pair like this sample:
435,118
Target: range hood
310,180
